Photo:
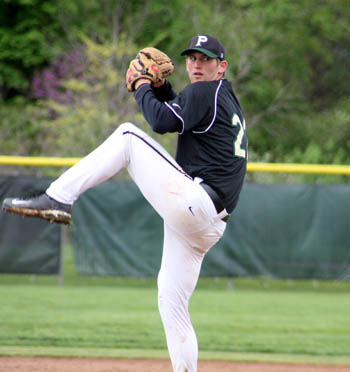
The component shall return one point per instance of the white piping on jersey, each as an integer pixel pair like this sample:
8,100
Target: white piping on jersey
182,121
215,111
177,115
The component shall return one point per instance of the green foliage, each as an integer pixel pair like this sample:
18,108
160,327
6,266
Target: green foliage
26,29
33,32
288,61
23,134
331,142
328,128
99,102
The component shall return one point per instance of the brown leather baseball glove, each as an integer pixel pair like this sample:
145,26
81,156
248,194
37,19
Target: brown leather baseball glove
151,64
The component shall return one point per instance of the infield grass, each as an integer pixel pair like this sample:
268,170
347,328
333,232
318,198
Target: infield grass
258,319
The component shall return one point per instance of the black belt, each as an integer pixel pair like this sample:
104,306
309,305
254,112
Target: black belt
219,205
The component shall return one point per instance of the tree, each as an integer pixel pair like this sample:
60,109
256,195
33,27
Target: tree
23,44
34,32
89,107
288,61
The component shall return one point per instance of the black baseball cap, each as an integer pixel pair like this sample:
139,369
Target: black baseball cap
207,45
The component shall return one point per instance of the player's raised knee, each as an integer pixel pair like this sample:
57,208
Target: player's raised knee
127,126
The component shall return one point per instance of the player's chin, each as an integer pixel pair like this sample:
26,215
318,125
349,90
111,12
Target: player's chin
195,78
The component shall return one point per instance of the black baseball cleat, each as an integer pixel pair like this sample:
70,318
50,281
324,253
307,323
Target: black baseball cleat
41,206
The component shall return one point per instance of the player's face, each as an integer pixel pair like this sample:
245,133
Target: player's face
203,68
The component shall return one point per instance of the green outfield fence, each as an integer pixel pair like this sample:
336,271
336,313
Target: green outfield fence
277,230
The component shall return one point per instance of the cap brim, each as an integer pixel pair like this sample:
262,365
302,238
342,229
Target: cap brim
202,50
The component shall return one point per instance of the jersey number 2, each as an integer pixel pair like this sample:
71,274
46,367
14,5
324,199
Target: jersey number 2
238,151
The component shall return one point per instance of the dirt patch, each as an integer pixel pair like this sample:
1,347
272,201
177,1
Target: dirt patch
28,364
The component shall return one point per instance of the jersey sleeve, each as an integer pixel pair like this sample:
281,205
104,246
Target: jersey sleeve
157,114
165,92
194,106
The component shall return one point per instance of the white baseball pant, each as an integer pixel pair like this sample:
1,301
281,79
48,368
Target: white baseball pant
191,223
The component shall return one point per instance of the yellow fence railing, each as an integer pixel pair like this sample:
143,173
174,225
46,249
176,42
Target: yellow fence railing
37,161
299,168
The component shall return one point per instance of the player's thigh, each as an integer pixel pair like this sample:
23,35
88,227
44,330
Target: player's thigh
160,179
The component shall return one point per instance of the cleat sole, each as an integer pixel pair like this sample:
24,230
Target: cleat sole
50,215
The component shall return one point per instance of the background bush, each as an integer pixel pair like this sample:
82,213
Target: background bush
62,68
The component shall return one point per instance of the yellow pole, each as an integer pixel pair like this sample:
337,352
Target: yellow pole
39,161
299,168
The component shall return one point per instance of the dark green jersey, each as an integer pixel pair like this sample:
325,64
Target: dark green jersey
212,141
212,144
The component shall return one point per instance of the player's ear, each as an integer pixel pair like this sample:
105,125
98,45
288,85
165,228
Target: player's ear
222,67
187,62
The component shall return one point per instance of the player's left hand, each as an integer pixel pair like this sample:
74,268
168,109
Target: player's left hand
151,64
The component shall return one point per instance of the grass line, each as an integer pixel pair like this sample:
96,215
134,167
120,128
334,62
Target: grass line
61,352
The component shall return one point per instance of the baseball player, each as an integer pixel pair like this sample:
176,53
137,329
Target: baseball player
195,193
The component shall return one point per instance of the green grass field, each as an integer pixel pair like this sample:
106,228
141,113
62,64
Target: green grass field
256,319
